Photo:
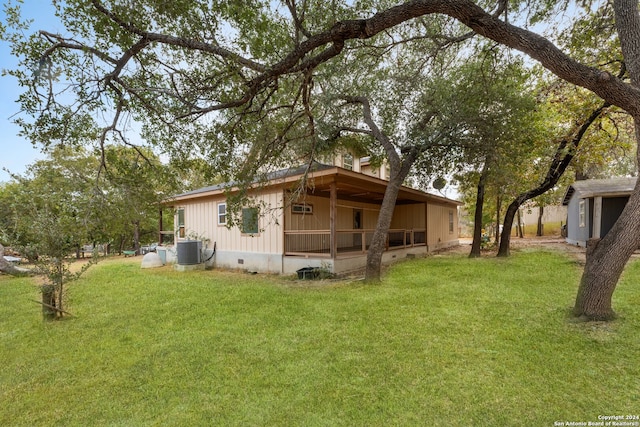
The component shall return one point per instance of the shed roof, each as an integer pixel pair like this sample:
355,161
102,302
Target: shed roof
600,187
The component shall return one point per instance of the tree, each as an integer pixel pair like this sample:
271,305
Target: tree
402,123
132,186
565,152
67,200
47,223
497,125
400,166
471,109
116,65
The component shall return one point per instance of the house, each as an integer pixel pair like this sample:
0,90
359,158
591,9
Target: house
593,206
330,226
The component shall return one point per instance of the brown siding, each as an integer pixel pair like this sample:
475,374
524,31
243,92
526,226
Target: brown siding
370,213
408,217
201,221
318,220
438,222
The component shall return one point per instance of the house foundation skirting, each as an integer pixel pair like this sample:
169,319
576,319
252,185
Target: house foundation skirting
281,264
248,261
346,263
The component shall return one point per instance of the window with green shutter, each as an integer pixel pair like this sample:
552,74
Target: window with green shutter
250,220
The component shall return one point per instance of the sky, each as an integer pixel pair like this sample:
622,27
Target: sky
17,153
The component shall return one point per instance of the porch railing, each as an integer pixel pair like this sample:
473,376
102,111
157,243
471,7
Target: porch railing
307,242
318,242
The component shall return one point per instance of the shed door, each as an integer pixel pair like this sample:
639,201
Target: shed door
611,209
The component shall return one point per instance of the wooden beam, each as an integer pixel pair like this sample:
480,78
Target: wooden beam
426,225
160,229
333,215
52,307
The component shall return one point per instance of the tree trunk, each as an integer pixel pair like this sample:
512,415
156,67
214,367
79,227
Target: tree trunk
477,219
136,236
49,302
540,231
60,268
512,210
379,238
498,209
519,228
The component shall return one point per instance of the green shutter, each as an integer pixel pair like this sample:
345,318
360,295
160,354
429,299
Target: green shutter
250,220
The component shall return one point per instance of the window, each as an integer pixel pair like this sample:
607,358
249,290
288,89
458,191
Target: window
347,161
357,219
180,222
250,220
582,216
222,214
301,208
450,222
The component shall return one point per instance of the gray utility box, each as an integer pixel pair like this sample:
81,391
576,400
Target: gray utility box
189,252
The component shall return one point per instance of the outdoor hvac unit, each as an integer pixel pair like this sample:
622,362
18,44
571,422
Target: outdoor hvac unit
188,252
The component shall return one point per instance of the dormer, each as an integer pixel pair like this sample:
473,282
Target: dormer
351,161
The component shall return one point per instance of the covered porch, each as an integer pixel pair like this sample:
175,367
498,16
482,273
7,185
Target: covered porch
332,225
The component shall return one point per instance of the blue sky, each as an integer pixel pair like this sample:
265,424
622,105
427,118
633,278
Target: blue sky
15,152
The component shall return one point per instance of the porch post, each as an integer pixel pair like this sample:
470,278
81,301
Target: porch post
160,228
333,214
426,225
597,217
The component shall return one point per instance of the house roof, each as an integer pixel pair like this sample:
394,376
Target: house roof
351,185
600,187
272,176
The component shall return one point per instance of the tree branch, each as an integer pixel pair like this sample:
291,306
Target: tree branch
179,41
330,43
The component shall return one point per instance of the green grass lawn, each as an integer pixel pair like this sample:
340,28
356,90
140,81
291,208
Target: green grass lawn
550,229
443,341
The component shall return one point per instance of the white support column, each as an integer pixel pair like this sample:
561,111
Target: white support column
597,217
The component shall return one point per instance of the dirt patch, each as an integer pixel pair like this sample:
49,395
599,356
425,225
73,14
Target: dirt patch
518,244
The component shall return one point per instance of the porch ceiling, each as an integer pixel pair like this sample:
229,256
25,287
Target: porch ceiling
351,191
359,187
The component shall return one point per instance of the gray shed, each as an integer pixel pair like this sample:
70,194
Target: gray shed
594,205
